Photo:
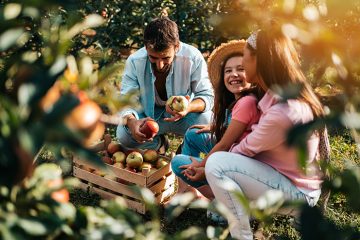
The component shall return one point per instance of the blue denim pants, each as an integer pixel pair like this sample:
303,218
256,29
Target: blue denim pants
227,172
194,144
179,127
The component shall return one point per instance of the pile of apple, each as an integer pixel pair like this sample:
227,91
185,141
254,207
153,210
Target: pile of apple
133,160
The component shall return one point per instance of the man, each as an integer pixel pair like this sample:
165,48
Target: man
165,67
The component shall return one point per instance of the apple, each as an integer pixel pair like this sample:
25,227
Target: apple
145,165
108,160
161,162
119,165
107,140
150,128
150,156
113,147
134,159
119,156
84,116
177,103
61,196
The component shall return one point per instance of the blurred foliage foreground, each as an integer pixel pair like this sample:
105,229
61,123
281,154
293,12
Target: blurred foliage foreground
50,97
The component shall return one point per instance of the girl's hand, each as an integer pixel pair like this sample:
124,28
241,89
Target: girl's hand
194,163
202,128
195,174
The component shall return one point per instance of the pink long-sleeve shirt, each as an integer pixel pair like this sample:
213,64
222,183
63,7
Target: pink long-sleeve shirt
267,141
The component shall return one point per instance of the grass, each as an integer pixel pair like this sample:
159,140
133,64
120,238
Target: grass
344,150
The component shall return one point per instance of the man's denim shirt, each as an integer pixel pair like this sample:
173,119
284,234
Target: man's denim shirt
188,76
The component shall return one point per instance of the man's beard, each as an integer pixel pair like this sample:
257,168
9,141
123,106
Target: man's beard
163,70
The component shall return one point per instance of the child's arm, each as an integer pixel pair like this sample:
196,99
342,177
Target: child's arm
233,133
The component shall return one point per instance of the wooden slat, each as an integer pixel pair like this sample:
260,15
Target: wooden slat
163,184
136,178
165,195
158,174
106,183
137,206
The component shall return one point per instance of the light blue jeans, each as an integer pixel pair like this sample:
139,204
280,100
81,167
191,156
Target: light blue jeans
194,144
179,127
250,177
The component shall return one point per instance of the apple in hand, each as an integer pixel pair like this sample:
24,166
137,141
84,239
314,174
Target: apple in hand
177,103
150,128
134,159
113,147
150,155
119,157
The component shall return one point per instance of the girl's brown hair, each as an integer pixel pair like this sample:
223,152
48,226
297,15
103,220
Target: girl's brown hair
224,102
278,64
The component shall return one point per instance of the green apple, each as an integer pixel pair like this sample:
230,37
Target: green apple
134,159
177,103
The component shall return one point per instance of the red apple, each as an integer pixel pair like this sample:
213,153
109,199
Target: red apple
61,195
150,156
134,159
107,159
119,157
113,147
84,116
178,103
150,128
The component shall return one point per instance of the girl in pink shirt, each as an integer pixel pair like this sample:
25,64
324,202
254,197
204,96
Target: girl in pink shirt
233,98
263,161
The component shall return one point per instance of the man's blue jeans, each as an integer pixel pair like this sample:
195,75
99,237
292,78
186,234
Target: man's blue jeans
178,127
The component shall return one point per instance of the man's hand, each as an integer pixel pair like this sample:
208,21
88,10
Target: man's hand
177,115
134,128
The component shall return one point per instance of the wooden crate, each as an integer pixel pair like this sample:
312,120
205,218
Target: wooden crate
160,182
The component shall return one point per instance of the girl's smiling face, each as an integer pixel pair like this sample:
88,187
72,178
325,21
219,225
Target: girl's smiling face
234,76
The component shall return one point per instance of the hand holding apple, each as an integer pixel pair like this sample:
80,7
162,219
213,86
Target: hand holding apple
177,103
134,127
150,128
178,107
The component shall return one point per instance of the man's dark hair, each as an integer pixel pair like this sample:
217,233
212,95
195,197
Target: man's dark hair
161,33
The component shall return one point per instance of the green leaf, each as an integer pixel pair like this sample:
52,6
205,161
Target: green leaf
32,226
9,38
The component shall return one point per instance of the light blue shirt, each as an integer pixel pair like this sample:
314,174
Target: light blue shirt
188,75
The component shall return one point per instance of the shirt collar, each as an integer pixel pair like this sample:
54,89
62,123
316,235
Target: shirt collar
268,100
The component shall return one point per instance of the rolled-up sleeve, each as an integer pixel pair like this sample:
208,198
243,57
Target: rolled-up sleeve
200,83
